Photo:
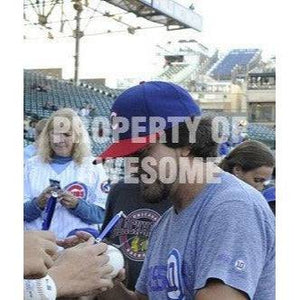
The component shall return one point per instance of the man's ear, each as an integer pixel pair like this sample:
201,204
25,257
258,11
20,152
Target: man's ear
237,171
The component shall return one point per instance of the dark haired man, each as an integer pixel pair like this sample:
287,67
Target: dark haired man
217,240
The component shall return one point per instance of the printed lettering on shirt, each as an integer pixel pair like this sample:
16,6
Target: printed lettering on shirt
169,277
158,280
240,265
133,233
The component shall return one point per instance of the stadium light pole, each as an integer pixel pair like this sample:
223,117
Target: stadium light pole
78,34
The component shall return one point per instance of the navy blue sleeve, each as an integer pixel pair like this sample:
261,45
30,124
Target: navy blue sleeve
31,210
88,212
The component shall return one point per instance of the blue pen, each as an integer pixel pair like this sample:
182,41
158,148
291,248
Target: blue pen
49,211
112,223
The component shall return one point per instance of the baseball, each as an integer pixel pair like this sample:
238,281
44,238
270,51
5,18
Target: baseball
116,259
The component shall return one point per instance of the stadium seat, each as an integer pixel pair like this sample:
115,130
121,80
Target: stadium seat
238,58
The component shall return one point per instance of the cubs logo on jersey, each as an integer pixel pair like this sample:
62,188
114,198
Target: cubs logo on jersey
78,189
105,186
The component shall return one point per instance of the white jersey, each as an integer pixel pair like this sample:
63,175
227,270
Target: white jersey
86,181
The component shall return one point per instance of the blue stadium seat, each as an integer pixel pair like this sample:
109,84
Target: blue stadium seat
235,58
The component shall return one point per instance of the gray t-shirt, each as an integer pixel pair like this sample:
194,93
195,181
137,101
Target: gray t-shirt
227,233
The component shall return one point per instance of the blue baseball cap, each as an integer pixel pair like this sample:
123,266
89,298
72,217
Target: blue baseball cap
165,100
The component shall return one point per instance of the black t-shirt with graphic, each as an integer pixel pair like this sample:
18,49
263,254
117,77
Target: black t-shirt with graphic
133,231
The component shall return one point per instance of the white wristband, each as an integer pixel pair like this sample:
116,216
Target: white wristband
40,289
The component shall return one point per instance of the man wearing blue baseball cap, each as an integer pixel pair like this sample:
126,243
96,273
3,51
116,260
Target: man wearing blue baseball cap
141,113
217,240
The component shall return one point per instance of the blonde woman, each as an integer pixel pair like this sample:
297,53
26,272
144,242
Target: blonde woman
64,155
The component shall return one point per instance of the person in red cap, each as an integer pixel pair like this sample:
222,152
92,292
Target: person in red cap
217,241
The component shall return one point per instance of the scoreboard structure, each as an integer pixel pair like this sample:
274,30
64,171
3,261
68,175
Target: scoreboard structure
167,12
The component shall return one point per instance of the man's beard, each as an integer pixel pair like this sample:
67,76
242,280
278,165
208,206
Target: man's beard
152,192
155,192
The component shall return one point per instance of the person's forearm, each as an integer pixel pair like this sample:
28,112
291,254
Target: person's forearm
88,212
31,210
120,292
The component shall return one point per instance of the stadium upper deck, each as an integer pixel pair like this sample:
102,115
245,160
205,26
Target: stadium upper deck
240,60
40,89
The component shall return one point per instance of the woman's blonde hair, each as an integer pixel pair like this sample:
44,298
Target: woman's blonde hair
62,121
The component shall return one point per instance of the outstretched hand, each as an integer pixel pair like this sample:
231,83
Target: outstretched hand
74,240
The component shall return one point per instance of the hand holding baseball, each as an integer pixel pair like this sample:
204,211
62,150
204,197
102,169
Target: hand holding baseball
116,260
82,270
